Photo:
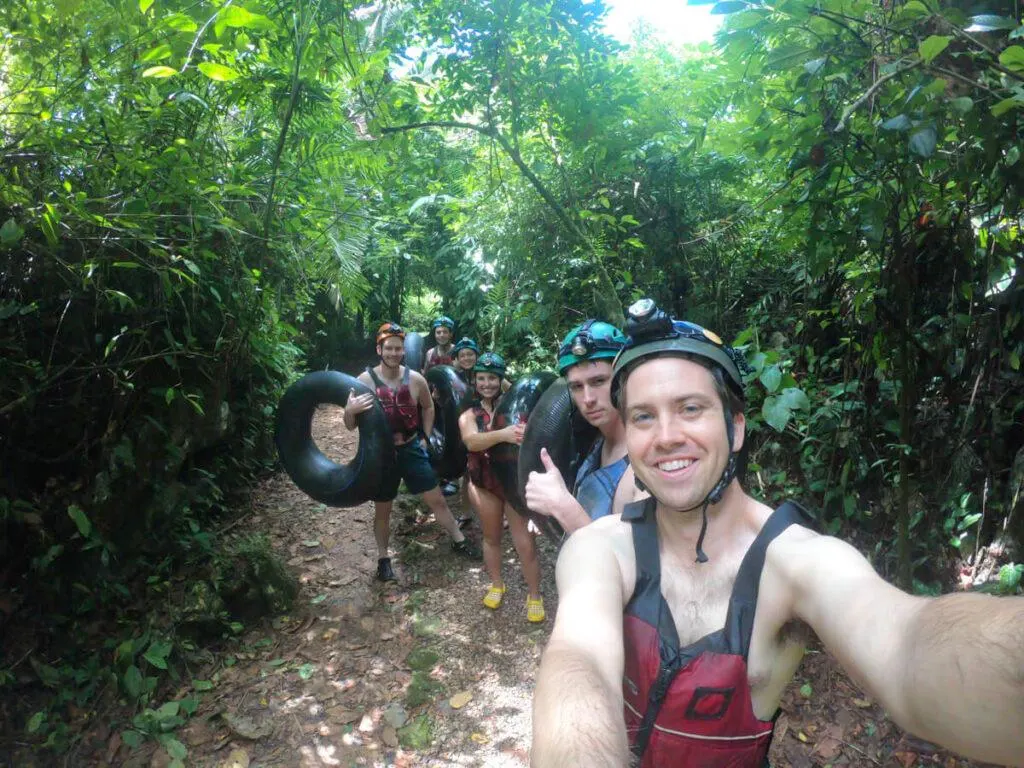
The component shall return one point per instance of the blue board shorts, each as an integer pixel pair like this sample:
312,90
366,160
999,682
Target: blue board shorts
412,464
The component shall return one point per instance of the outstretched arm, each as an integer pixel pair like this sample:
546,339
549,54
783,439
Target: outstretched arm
577,706
948,669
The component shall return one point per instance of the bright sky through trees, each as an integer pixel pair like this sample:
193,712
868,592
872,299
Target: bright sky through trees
671,20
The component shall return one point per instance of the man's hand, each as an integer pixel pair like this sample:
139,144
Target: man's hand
357,404
546,491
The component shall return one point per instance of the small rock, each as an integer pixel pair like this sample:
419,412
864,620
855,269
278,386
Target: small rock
389,737
395,716
246,727
237,758
366,724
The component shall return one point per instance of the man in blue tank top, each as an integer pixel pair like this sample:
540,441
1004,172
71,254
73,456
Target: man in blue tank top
604,480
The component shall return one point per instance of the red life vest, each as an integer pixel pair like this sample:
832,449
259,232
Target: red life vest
691,706
399,405
438,358
479,464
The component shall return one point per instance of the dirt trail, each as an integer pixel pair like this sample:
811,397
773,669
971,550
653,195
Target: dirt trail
420,674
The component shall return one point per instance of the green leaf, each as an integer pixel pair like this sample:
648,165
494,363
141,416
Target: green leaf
81,521
922,141
806,691
1013,58
10,233
218,71
306,671
775,413
156,53
1018,32
132,738
175,748
915,9
236,16
962,104
132,680
145,5
160,71
932,46
35,722
795,399
179,22
898,123
1004,106
771,377
987,22
1010,576
202,685
189,705
157,654
168,710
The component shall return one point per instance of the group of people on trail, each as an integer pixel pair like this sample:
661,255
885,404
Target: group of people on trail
685,605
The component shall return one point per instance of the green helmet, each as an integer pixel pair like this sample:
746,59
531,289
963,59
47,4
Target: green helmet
490,362
465,343
592,340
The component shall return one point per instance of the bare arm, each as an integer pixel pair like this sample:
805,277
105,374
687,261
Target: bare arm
477,441
948,669
426,402
577,706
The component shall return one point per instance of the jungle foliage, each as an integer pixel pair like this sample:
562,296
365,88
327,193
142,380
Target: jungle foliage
201,199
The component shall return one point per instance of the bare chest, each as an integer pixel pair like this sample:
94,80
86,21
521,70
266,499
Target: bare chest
698,599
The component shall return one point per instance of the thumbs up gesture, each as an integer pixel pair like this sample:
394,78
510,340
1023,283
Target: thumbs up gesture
546,491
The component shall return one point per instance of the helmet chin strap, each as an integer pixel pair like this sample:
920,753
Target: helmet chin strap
715,494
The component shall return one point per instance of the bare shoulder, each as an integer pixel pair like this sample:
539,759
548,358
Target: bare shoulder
798,552
417,379
602,552
364,378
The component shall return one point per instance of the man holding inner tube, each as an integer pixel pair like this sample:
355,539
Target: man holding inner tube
604,481
680,624
404,396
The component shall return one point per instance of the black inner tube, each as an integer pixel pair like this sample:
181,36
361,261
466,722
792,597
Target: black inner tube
450,393
557,426
515,408
415,351
337,485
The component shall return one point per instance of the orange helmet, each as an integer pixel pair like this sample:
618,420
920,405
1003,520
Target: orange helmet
389,329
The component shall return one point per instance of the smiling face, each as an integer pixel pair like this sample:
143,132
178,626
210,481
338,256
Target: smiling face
391,351
442,335
675,430
488,385
466,359
590,385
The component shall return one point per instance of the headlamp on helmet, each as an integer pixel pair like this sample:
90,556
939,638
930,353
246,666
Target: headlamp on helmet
389,329
465,343
490,362
593,340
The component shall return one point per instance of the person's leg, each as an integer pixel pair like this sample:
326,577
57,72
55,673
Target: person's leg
526,547
434,500
489,508
382,526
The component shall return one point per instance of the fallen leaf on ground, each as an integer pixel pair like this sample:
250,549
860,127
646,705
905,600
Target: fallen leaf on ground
459,700
237,758
861,703
479,738
389,736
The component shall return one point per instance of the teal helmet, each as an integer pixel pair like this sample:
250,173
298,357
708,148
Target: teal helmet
592,340
444,321
490,362
465,343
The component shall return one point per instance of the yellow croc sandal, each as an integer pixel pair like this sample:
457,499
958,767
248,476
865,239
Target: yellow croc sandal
535,610
493,597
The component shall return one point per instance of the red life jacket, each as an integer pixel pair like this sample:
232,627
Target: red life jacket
479,464
691,706
438,358
399,405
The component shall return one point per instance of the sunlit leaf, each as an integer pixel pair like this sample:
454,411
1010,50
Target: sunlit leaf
160,71
1013,58
932,47
217,72
990,23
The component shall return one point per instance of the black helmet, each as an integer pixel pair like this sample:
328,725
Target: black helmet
652,333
